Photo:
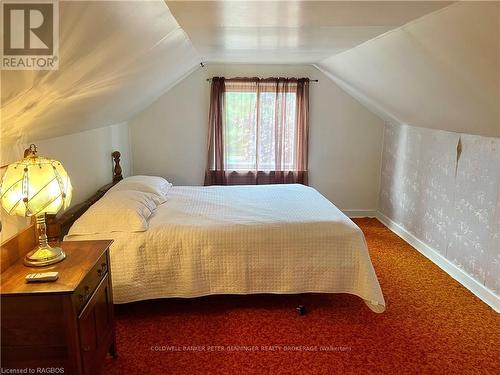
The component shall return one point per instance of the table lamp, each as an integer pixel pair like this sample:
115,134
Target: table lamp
35,186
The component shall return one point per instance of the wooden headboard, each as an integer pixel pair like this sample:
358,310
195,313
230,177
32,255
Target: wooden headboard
58,226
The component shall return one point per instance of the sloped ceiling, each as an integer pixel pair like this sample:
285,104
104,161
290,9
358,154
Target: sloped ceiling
115,58
289,32
442,71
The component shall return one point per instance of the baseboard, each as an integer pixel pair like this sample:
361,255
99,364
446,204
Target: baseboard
360,213
478,289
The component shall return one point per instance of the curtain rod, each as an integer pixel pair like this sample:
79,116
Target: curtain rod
311,80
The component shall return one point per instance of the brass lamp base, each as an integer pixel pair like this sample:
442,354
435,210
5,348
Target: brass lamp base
43,256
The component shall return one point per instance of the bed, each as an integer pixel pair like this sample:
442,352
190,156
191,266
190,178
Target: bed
238,240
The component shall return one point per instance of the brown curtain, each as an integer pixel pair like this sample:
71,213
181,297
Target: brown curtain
263,137
215,173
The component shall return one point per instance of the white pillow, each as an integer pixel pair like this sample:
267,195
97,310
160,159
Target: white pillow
147,184
119,211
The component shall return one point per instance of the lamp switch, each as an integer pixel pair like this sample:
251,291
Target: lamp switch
42,276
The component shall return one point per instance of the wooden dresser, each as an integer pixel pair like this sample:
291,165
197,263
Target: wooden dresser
66,325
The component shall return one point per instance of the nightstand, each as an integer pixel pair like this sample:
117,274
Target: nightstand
66,324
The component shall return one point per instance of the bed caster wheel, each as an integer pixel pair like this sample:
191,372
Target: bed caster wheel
112,351
301,310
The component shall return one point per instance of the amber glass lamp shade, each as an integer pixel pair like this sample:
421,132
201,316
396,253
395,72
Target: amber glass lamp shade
35,186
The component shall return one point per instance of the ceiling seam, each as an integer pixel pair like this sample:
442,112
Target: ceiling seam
363,99
402,27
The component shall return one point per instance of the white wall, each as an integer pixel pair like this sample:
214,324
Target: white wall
437,81
453,207
169,138
86,157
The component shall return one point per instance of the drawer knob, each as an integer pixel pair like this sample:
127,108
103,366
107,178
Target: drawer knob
104,266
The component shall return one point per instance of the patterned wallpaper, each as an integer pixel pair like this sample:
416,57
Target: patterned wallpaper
444,188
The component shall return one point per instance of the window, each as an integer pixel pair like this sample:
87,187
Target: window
258,130
251,131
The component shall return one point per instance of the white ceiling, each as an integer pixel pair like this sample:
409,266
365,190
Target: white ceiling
116,58
441,72
289,31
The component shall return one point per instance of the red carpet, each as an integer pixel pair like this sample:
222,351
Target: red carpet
432,325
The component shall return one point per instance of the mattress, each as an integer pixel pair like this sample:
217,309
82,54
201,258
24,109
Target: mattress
242,240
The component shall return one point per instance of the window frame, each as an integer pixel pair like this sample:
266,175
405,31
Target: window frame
258,86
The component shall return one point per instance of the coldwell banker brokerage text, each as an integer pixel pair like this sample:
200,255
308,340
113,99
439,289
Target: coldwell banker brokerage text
30,35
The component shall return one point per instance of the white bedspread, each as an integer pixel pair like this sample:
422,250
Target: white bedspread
243,240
